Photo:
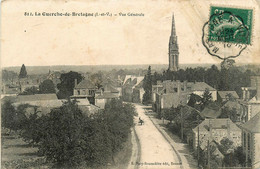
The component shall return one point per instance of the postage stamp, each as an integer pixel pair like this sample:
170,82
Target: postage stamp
228,31
230,25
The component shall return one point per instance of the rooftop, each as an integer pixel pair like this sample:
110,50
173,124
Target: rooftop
106,95
85,84
210,113
199,86
217,124
224,94
253,125
108,88
28,98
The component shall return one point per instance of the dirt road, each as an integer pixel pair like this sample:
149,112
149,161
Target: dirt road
155,152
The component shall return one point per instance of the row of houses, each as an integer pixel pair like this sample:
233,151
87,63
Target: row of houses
243,127
19,85
130,90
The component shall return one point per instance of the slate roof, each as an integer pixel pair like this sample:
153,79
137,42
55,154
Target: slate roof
106,95
132,81
254,100
253,125
28,98
232,105
223,94
199,86
210,113
110,88
42,103
107,88
217,124
85,84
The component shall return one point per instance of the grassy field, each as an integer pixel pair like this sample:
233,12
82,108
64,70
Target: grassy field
18,154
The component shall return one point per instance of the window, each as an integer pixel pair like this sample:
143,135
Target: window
248,139
175,89
78,92
91,92
244,139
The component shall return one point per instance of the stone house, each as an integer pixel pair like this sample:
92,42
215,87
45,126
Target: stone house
251,141
251,104
129,85
105,94
84,90
216,129
167,94
138,93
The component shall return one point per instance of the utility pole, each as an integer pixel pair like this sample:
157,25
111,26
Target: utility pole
208,144
198,147
181,125
208,155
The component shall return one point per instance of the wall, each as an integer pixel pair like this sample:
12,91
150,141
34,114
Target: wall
100,103
256,150
200,93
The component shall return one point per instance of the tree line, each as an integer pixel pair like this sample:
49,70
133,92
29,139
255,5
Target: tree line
68,137
221,79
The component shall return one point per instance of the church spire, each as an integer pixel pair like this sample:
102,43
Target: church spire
173,49
173,33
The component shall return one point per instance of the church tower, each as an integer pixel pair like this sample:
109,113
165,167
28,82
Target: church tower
173,49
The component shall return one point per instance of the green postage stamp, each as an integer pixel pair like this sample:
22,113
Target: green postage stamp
232,25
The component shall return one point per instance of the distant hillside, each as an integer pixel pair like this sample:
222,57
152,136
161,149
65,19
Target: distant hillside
95,68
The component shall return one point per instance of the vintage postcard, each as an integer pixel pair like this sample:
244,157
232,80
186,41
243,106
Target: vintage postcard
130,84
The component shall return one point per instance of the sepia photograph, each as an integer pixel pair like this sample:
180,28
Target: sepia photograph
140,84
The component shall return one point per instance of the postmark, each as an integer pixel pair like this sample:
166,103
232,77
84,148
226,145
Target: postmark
228,32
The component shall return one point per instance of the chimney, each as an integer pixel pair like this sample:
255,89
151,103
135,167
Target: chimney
178,87
257,87
185,85
253,81
247,94
244,93
75,82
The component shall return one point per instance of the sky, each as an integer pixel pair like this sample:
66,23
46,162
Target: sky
116,40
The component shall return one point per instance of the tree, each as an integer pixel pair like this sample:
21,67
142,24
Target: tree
119,117
23,72
47,86
69,138
64,140
13,119
147,85
194,101
30,91
20,118
97,78
229,113
206,98
241,157
8,75
170,114
67,84
8,115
